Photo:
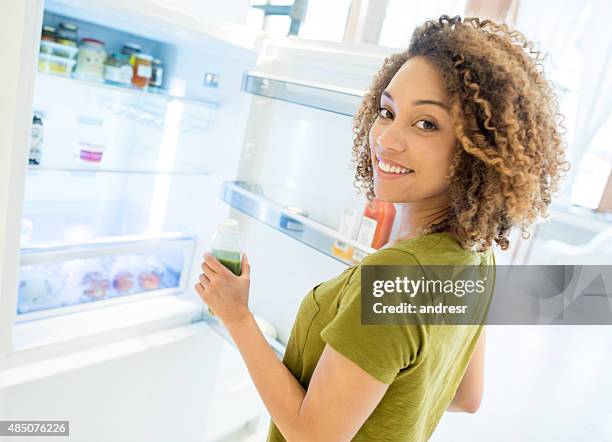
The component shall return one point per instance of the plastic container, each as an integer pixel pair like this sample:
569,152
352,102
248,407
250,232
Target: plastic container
227,248
90,153
376,225
58,49
52,64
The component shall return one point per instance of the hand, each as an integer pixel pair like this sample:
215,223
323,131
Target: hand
226,294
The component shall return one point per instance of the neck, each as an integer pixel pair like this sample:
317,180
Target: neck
419,214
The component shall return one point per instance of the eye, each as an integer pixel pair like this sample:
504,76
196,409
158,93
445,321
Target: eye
428,126
385,113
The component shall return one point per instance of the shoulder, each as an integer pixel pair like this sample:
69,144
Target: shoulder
392,255
441,249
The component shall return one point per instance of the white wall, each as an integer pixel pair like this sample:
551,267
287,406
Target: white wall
542,383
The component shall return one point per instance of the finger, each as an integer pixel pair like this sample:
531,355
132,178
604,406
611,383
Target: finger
246,266
204,280
213,263
208,269
201,291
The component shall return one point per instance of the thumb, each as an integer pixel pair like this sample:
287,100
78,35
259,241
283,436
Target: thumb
246,266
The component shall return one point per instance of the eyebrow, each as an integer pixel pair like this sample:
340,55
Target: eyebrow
421,102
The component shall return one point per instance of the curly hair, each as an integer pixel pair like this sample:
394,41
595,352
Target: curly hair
510,152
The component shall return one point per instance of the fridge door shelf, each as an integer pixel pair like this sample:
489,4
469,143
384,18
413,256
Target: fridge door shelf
278,347
312,233
65,277
343,101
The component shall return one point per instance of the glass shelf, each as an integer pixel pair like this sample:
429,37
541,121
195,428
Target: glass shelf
160,95
278,347
248,199
339,100
581,217
33,168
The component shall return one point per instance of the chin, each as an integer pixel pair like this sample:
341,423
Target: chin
390,196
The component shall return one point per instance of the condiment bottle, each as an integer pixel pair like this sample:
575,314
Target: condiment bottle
376,225
36,140
142,70
226,247
348,227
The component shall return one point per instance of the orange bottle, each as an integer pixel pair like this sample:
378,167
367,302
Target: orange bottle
376,225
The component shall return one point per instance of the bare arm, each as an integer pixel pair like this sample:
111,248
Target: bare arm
469,394
340,396
339,399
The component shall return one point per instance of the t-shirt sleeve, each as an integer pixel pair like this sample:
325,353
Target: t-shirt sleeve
380,350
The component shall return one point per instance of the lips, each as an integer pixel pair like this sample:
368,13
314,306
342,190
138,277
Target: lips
392,163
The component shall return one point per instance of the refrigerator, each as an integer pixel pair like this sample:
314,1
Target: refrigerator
114,190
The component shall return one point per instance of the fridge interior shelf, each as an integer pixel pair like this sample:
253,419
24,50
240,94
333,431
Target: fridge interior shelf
60,277
127,91
91,169
344,101
248,200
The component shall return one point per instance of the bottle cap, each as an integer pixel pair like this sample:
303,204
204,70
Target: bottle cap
229,226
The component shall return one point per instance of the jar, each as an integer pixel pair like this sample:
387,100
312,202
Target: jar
90,60
48,33
157,73
117,69
130,49
67,33
142,70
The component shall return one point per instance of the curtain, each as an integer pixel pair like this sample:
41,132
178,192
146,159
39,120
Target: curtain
595,91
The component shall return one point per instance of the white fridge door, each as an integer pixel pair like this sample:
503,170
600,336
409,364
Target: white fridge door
297,154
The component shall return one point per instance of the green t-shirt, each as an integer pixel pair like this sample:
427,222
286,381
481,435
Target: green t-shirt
423,364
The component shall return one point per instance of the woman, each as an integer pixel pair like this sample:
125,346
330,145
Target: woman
465,127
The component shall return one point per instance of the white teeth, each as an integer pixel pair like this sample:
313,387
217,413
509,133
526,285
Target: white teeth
391,169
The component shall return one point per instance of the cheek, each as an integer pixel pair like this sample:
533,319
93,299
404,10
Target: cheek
373,134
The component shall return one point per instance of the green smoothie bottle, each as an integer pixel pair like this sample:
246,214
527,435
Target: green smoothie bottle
226,247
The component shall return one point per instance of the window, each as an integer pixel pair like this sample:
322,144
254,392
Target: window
403,16
310,19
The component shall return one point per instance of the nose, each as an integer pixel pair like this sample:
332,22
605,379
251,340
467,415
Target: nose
391,139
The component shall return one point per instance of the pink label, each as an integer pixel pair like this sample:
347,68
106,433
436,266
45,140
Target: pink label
91,156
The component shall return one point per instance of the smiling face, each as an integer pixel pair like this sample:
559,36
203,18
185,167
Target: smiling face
413,134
